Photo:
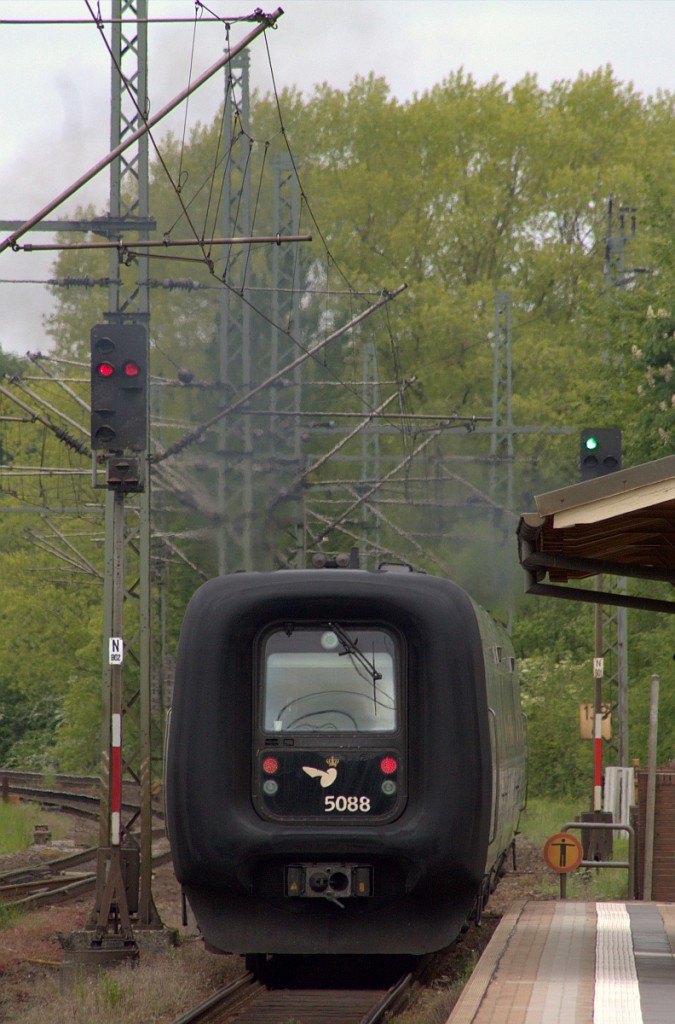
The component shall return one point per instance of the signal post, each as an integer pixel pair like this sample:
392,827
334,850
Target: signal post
119,434
599,455
117,868
123,908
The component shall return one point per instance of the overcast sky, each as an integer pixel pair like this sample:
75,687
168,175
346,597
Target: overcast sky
55,85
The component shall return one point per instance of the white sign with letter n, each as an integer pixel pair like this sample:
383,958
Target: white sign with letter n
115,650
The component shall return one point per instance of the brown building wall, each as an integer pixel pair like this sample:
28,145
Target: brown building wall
663,870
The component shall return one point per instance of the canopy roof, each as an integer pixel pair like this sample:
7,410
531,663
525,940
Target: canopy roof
622,524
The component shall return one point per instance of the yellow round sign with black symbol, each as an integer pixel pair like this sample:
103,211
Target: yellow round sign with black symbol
563,852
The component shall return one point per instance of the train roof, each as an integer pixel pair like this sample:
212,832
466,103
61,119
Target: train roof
319,592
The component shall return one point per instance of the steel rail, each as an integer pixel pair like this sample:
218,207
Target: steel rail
71,890
86,804
343,1006
241,989
17,893
71,860
392,1000
61,864
15,775
22,785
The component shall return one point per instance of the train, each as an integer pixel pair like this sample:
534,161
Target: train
345,761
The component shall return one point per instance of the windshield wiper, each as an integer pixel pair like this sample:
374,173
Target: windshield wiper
350,647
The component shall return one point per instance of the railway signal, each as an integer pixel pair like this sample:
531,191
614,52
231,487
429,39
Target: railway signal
599,451
119,382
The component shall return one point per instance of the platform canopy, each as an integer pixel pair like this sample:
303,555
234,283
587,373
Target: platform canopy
622,524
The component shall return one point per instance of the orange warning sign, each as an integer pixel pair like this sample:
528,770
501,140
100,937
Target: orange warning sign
563,852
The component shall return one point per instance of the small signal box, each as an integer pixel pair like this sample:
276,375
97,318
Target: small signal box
119,387
599,452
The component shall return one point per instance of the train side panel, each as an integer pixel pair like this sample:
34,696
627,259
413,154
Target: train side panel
507,741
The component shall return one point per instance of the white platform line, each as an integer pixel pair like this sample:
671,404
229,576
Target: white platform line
555,991
617,994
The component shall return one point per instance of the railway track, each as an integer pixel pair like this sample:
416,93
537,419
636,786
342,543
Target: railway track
249,1001
30,882
35,887
71,782
83,791
78,794
85,804
30,887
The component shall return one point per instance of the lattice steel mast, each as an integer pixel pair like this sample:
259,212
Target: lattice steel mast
127,531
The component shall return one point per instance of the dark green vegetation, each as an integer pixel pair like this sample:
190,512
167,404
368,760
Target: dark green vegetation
461,193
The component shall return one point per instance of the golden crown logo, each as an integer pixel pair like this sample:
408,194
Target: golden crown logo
332,761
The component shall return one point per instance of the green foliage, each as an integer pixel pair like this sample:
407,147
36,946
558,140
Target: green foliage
77,741
559,763
543,818
657,389
651,651
555,640
16,826
462,191
9,916
546,815
112,992
47,629
552,629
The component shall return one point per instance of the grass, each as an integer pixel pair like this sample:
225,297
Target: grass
16,826
434,1003
8,918
157,990
17,822
542,819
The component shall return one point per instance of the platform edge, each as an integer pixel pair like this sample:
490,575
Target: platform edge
468,1004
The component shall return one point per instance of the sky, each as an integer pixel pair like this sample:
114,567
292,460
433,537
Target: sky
55,86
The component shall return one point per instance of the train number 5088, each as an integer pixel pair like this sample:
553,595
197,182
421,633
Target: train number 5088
347,803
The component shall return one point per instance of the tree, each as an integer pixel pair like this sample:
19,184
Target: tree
462,191
47,628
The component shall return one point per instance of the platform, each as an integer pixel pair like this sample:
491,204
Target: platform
578,963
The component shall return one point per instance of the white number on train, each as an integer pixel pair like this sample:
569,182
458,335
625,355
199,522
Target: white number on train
350,804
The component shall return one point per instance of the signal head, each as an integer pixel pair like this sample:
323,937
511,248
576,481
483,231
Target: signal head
119,413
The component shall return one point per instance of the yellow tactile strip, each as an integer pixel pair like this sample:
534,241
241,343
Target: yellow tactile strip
617,993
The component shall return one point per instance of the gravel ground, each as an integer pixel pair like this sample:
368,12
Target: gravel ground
31,955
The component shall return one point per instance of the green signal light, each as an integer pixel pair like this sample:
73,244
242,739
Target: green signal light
591,443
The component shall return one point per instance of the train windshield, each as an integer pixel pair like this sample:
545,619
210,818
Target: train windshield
331,679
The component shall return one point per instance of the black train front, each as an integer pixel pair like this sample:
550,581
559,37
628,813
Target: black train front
345,761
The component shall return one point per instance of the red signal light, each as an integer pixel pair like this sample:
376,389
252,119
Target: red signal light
270,766
388,765
119,379
131,369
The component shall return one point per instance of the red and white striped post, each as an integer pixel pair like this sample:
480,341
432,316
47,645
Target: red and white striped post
112,903
116,779
116,648
598,669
